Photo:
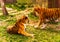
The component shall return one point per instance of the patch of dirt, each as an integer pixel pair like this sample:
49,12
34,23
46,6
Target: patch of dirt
54,27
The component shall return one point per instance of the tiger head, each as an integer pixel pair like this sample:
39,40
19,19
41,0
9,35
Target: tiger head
24,19
38,10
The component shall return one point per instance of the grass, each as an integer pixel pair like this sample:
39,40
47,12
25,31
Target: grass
32,17
24,1
47,35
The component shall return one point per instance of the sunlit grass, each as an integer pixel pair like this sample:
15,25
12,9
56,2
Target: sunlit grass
48,35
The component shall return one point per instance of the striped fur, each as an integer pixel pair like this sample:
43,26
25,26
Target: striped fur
46,13
19,28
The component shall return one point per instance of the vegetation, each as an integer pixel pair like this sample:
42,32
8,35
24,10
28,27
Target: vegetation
47,35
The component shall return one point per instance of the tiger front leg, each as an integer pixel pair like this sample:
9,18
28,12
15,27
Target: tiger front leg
23,32
37,25
42,24
40,21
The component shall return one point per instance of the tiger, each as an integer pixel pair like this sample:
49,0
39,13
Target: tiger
44,14
19,27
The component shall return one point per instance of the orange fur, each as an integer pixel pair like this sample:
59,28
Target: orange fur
46,13
19,27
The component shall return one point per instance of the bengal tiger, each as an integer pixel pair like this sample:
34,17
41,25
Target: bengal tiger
19,27
44,14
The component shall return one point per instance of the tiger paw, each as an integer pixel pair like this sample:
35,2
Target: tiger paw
43,26
36,26
32,35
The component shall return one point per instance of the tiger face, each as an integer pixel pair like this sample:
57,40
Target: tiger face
36,11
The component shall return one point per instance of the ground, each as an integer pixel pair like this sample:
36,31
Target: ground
47,35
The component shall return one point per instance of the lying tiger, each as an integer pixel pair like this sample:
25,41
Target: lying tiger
19,27
44,14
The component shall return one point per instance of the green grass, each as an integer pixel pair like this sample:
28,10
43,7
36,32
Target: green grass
19,6
47,35
24,1
32,17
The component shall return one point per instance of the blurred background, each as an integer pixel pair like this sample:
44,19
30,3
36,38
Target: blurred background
12,10
42,3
